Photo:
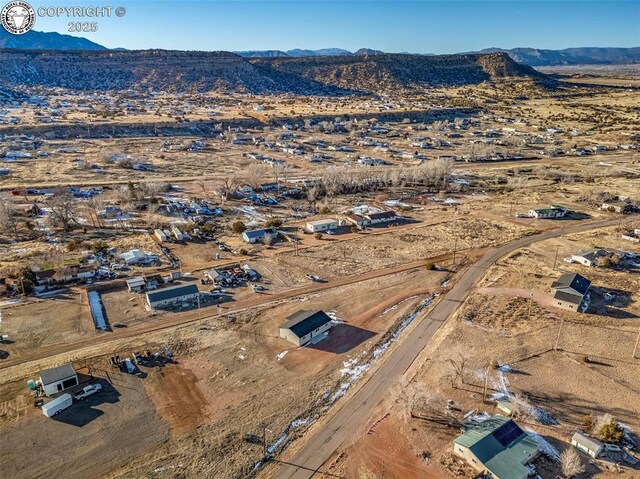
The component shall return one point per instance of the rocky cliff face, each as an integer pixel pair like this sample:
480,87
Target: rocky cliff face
176,71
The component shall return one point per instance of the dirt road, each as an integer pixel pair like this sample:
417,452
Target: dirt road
357,409
171,320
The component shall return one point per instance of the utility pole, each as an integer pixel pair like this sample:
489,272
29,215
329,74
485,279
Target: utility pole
455,247
486,382
635,348
555,260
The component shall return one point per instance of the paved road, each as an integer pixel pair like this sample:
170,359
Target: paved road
356,410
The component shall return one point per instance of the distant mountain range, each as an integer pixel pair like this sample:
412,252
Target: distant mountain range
297,53
46,41
34,40
528,56
571,56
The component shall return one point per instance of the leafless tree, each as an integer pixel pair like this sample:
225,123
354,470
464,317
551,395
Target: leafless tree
458,365
94,205
254,175
571,463
64,210
227,183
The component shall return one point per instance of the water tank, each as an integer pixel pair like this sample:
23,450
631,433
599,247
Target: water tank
31,384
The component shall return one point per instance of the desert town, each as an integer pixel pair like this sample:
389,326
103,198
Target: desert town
207,284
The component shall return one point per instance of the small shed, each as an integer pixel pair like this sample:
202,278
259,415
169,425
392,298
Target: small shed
177,233
136,284
304,325
58,379
587,444
505,406
162,237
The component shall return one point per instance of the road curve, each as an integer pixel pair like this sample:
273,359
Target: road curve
356,409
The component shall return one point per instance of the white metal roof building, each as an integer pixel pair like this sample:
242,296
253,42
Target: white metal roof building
322,225
58,379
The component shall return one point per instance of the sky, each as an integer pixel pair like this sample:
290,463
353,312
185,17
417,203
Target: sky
416,26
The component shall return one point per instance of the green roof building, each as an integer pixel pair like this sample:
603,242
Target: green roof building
498,447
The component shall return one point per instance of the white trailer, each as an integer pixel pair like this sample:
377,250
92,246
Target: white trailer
58,404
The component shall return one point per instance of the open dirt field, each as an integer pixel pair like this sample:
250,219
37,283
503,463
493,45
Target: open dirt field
559,382
111,428
33,324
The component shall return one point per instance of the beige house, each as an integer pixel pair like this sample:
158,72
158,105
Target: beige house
304,326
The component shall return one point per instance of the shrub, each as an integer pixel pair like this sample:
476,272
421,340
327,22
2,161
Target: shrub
275,222
588,421
612,432
238,227
318,236
243,252
325,210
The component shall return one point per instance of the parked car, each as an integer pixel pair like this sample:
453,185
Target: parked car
87,391
257,288
313,277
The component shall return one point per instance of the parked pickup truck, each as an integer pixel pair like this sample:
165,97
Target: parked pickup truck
87,391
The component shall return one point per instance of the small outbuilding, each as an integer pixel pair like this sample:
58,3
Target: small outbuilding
304,325
587,444
179,236
320,226
58,379
162,237
136,284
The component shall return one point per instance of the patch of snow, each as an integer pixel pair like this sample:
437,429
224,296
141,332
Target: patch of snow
585,302
296,423
273,447
334,318
545,448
